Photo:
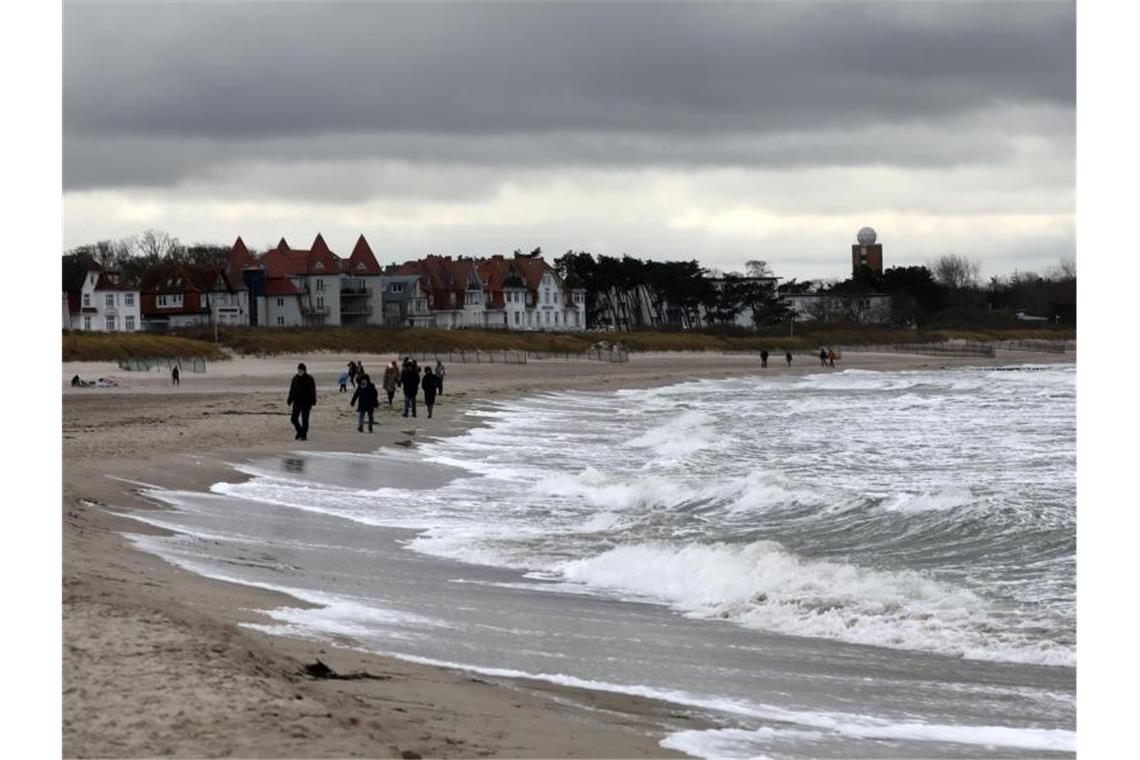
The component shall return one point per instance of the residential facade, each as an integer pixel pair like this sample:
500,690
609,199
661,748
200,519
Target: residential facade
186,296
518,293
860,308
288,287
98,300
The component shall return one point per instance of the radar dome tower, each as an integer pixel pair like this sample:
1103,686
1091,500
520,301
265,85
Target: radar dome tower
866,253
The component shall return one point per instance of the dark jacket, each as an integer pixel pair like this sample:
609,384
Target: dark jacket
367,395
303,391
430,385
410,380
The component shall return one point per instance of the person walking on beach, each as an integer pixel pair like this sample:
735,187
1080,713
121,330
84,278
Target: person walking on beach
831,357
302,397
763,358
822,357
788,358
352,369
391,380
368,398
410,381
342,381
440,370
430,386
175,376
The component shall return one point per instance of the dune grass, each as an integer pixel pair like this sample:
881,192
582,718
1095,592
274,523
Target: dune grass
94,347
263,341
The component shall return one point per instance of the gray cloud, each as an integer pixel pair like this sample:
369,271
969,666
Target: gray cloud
839,109
256,70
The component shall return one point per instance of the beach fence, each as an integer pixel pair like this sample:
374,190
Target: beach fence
185,364
1036,346
470,357
617,355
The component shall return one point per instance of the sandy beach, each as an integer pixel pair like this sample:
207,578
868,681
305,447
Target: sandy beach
154,661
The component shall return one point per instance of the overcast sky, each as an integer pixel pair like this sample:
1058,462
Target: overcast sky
709,131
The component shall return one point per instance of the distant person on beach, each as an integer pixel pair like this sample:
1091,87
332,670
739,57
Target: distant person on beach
822,357
430,385
440,371
369,399
788,358
763,358
342,381
302,397
352,370
391,380
831,357
410,381
174,376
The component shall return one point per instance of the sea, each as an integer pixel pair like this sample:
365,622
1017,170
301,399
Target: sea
844,564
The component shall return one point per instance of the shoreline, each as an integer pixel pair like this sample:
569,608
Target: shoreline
212,687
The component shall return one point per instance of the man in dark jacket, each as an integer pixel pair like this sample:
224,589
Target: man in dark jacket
302,397
410,382
369,399
430,385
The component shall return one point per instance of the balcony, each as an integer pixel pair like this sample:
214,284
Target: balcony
347,309
348,290
309,309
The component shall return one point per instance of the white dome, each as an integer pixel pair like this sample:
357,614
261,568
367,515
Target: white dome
866,236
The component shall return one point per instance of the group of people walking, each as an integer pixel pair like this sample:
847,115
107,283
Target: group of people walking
827,357
366,396
764,358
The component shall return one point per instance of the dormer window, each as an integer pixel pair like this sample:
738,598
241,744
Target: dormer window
319,265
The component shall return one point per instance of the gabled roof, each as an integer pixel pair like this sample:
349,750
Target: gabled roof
75,269
180,278
113,281
362,262
281,287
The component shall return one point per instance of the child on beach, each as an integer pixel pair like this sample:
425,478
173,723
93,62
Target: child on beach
439,372
342,381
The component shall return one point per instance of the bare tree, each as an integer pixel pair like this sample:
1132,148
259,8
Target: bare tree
154,245
956,272
757,268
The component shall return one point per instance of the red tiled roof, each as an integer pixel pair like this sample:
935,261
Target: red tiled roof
362,262
113,281
281,287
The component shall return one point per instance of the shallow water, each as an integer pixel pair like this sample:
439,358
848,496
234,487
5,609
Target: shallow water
856,563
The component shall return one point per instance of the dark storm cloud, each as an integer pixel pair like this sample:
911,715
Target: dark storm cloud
186,87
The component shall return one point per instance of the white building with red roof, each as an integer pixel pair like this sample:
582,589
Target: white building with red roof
98,300
288,287
519,293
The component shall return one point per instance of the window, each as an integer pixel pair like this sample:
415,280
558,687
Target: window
86,299
128,299
170,301
396,287
280,321
129,323
556,318
87,324
110,324
320,302
281,302
110,299
320,284
517,315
